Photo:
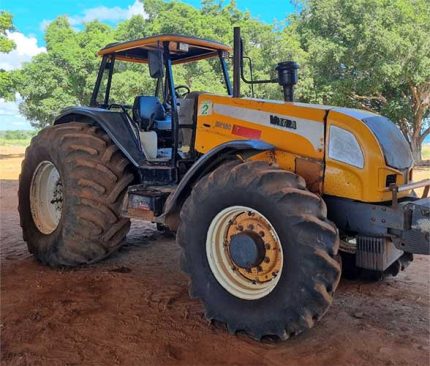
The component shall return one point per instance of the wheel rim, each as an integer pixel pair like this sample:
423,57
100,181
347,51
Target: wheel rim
258,278
46,197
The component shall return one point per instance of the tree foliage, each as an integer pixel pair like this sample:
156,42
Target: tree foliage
7,84
6,24
371,54
65,74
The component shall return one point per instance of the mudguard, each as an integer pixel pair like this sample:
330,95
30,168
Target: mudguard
115,124
206,164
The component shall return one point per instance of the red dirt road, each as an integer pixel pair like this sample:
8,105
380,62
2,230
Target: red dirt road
133,309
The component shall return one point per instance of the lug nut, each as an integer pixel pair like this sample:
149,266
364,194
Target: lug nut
266,259
261,233
251,227
267,246
240,227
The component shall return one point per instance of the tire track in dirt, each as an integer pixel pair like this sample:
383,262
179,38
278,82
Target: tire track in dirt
134,309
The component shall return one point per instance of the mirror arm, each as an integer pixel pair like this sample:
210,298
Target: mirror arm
242,76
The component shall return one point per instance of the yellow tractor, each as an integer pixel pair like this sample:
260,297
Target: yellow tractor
262,194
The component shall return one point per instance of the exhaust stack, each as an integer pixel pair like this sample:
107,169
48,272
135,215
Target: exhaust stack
237,62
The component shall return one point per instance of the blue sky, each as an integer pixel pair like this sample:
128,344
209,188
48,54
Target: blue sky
32,16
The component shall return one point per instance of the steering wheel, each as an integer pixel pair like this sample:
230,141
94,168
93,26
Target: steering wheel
183,94
178,94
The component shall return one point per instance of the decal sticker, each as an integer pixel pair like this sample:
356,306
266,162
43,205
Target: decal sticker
250,133
223,125
205,108
283,122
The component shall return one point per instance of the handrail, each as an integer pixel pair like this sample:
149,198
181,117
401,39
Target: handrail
394,188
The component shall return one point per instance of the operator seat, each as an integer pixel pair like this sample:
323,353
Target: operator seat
152,119
149,113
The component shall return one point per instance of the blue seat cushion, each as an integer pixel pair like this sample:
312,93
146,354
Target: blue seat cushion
165,124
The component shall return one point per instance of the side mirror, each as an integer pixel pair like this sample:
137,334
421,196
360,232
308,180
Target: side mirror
156,65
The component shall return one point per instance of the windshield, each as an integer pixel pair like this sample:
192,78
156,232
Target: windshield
128,81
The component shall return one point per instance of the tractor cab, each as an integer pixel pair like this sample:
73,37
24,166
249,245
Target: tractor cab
162,118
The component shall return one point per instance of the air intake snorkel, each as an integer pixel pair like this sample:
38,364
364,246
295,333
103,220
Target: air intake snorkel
287,78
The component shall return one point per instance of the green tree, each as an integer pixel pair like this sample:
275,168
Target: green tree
265,44
65,74
371,54
6,24
7,84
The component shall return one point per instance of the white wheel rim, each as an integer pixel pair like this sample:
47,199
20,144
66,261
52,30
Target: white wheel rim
221,265
46,197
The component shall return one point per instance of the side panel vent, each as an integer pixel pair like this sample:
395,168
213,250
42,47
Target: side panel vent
375,253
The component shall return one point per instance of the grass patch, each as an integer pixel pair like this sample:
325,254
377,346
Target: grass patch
16,138
426,151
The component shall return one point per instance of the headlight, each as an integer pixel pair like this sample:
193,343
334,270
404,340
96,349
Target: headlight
344,147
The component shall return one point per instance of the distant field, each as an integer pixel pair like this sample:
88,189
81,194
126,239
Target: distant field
16,138
426,152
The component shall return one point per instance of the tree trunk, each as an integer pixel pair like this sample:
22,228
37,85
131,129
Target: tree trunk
420,103
416,149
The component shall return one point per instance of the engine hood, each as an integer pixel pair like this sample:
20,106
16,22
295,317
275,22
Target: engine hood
394,145
397,152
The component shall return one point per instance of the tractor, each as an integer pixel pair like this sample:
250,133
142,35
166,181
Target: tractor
265,197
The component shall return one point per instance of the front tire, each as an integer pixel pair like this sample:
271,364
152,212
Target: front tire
72,183
301,277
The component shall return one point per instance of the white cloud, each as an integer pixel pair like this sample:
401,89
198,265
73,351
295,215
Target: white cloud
104,14
26,48
114,14
10,118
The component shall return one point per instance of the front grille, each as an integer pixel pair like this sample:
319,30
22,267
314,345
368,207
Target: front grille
375,253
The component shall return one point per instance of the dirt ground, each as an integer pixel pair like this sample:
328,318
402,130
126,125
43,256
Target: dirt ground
133,309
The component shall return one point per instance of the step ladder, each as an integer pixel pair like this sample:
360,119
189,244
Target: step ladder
145,202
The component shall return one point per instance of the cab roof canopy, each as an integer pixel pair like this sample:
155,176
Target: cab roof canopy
182,48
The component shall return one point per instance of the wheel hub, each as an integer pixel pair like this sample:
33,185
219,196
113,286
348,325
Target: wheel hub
46,197
247,249
244,252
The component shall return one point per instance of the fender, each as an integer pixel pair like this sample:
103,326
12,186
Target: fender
205,164
115,124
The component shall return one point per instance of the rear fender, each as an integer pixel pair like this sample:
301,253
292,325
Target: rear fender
115,124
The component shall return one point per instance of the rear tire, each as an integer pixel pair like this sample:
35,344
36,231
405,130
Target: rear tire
308,244
92,176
